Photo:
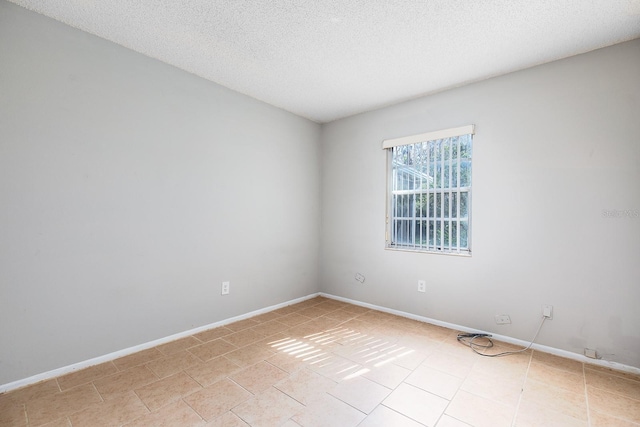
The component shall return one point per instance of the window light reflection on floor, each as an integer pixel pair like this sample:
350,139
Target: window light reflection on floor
372,351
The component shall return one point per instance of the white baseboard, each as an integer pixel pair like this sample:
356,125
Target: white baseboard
552,350
127,351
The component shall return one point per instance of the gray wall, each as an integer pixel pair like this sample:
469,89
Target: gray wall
129,190
555,146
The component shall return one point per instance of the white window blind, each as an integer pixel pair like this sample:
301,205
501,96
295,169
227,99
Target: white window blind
429,191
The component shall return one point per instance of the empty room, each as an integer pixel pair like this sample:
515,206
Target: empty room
319,213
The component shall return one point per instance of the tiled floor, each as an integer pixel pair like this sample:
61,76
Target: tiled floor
326,363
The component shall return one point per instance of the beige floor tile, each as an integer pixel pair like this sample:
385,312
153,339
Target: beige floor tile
434,381
512,366
173,364
385,417
335,367
306,303
243,338
167,390
292,363
558,362
614,372
216,399
599,419
460,350
259,377
211,349
375,316
320,325
532,414
609,403
315,311
285,310
62,422
12,413
290,423
561,378
417,342
313,330
138,358
456,365
408,358
370,351
269,408
213,334
265,317
555,399
356,309
176,414
35,391
361,393
249,355
614,384
331,304
417,404
242,324
305,386
229,419
479,411
387,374
178,345
212,371
293,319
114,412
125,381
341,315
86,375
328,412
447,421
53,407
270,328
502,389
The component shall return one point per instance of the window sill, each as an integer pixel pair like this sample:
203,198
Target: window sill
457,254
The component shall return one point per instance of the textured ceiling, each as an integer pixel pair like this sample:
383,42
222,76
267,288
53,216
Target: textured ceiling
327,59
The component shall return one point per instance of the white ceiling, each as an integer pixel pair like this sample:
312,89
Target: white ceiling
328,59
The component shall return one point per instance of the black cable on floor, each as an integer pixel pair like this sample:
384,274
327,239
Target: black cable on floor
468,340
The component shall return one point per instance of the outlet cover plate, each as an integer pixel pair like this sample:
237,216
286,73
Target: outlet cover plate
422,286
502,319
225,288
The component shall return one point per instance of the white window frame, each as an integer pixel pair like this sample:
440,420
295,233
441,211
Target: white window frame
452,192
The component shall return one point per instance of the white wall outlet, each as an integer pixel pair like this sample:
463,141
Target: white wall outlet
359,277
422,286
225,288
503,319
547,311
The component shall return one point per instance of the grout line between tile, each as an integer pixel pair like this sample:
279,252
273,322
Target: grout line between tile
524,381
586,395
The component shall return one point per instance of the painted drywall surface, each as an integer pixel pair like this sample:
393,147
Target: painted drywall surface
129,190
556,206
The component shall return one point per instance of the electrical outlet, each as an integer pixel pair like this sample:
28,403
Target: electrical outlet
225,288
359,277
502,319
547,311
422,286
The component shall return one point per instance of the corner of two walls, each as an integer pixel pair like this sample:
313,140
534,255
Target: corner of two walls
555,213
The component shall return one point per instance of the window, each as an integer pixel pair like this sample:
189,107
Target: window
429,191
